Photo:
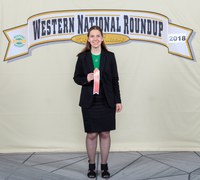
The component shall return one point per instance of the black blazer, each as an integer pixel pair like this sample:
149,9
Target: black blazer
108,75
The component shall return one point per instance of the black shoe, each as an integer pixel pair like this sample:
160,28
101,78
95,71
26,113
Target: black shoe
104,171
91,171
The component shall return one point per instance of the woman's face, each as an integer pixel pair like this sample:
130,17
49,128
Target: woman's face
95,38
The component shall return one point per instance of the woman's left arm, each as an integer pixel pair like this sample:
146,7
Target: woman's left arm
115,84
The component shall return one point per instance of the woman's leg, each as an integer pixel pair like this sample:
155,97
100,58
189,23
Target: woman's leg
104,146
91,146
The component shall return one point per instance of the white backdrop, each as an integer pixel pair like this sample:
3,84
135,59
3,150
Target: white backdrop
160,92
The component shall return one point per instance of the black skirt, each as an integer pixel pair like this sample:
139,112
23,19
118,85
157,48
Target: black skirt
100,117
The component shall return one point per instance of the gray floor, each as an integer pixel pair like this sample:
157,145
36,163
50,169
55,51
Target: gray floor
122,165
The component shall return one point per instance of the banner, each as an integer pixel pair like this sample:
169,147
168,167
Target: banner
118,26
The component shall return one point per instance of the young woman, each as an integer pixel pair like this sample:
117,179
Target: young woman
96,68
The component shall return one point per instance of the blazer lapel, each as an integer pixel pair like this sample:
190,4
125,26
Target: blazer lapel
89,61
102,60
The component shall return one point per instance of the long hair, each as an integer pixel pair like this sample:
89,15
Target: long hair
88,45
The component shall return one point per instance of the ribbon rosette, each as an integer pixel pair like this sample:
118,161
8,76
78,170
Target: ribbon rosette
96,81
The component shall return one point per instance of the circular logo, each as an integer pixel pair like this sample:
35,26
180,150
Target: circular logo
19,41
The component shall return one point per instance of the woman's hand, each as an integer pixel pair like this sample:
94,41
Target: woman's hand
118,107
90,77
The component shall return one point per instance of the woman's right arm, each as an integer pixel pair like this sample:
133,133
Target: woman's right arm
79,77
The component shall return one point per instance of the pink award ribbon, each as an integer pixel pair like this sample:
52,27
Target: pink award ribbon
96,81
